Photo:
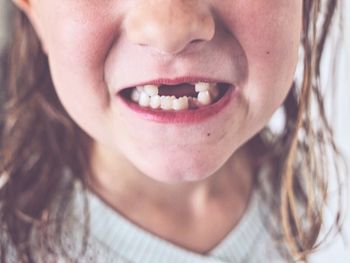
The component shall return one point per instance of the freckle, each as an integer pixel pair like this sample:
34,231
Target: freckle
208,134
268,52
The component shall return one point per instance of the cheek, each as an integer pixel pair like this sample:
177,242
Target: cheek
77,44
269,33
79,47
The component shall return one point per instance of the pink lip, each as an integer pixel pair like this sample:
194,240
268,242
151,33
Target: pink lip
184,116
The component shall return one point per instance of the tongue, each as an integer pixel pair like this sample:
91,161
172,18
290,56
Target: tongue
178,91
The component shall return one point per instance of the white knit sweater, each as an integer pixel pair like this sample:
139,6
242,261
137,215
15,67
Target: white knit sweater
115,239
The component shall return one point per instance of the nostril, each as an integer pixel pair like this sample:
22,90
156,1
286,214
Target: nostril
169,27
195,41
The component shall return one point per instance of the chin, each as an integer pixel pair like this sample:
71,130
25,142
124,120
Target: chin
176,177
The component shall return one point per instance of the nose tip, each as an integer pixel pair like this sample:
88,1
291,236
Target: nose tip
169,26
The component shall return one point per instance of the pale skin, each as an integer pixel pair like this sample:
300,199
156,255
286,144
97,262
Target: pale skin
173,180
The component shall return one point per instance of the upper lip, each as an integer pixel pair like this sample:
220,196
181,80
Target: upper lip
176,81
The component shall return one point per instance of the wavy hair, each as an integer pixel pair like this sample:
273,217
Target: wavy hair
39,140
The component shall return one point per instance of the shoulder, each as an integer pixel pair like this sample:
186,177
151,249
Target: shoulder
262,226
271,247
68,237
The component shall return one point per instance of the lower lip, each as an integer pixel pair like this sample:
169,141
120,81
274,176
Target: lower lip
183,116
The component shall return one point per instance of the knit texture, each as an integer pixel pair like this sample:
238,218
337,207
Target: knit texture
113,238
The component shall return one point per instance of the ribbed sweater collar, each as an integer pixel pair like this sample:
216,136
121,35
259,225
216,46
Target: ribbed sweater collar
137,245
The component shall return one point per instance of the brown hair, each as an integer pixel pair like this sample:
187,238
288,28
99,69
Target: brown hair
39,141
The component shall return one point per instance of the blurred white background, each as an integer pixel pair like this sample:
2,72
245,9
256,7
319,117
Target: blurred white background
339,251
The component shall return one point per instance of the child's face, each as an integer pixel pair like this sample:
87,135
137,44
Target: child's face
98,47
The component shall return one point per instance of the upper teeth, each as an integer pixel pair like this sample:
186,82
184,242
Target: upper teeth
150,90
147,96
202,86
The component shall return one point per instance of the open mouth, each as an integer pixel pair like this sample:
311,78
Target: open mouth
184,96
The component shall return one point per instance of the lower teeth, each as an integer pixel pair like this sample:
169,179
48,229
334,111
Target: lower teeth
144,98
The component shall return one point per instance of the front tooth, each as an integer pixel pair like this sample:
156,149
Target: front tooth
202,86
166,103
135,95
180,103
144,100
140,89
151,90
204,97
155,102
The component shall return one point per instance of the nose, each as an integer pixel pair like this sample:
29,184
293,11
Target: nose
169,26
